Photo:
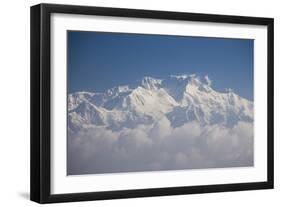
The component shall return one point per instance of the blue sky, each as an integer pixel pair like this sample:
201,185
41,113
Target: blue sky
98,60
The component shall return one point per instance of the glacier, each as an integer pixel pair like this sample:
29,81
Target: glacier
179,122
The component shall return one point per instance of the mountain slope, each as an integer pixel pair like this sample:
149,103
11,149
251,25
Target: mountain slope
180,99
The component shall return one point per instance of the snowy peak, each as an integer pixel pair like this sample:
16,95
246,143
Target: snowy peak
179,98
151,83
181,81
118,89
177,86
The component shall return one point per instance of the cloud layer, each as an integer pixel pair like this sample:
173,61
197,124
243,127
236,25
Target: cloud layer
160,147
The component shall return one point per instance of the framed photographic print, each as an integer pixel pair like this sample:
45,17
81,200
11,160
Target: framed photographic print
133,103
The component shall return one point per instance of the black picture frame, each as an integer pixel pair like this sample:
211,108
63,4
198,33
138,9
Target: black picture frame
40,184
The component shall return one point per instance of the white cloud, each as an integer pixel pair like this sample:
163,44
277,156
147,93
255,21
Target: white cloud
160,147
161,129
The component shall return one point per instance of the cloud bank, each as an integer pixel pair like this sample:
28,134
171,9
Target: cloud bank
159,147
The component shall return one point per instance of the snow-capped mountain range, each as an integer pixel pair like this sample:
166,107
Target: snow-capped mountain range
180,99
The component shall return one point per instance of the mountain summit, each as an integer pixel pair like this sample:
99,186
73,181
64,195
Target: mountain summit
178,98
